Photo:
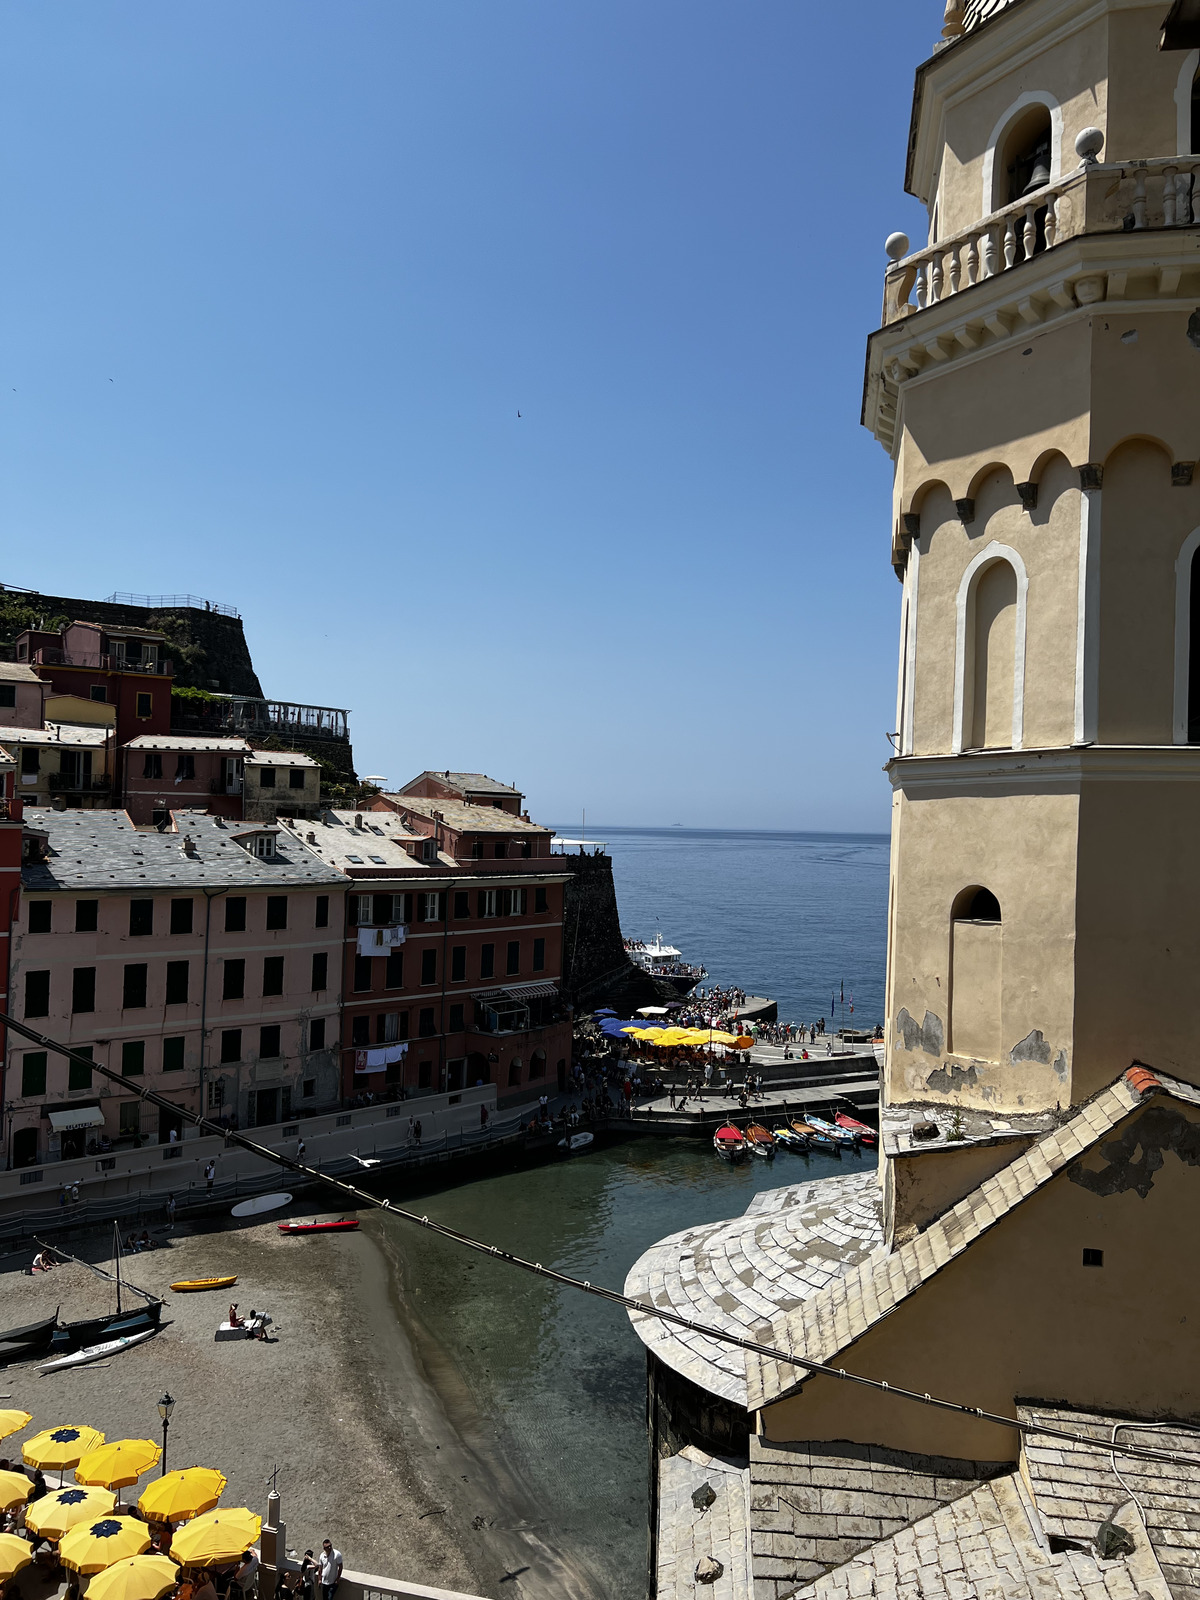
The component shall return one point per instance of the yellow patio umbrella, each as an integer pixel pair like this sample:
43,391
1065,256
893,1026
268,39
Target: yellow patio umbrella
101,1542
216,1537
119,1463
14,1554
57,1512
13,1422
15,1489
177,1496
62,1447
716,1036
136,1578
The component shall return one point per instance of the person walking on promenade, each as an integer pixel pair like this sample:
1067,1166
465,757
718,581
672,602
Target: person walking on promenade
170,1209
210,1173
308,1575
329,1569
671,1097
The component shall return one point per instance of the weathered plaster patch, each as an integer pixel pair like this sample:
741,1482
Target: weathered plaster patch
1156,1131
1060,1065
948,1078
1032,1047
929,1037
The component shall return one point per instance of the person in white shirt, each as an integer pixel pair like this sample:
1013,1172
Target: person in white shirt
329,1569
247,1572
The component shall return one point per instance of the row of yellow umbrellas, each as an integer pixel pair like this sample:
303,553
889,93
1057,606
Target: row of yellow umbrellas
93,1536
671,1038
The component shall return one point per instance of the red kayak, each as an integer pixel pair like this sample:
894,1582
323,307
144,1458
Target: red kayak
342,1225
866,1134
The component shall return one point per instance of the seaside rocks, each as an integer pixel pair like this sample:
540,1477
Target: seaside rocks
708,1570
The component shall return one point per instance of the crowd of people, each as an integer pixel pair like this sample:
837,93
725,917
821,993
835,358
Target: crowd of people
235,1580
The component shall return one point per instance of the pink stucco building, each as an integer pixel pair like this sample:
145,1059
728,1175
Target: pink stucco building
203,962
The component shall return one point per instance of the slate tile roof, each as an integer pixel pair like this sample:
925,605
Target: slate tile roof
1076,1485
989,1545
826,1322
691,1529
742,1274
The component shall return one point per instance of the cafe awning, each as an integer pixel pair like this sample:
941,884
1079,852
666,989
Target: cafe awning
76,1117
531,991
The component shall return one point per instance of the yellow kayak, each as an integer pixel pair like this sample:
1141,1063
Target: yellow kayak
191,1285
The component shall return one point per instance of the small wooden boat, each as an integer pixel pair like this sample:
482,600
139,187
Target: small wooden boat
729,1143
864,1133
97,1352
342,1225
816,1139
831,1131
196,1285
790,1138
760,1141
81,1335
31,1332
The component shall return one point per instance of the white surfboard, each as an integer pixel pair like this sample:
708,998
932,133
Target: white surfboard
97,1352
260,1203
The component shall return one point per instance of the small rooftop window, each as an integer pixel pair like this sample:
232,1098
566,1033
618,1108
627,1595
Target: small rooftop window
380,860
357,860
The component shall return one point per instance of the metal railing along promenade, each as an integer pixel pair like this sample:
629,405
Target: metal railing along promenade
170,602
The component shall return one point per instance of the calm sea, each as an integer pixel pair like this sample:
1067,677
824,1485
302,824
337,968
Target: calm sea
556,1378
801,917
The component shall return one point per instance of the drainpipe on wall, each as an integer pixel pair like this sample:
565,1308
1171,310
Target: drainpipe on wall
209,897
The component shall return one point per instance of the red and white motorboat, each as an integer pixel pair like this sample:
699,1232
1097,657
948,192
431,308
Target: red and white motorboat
342,1225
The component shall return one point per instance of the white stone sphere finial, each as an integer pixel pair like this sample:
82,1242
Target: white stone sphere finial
896,245
1088,145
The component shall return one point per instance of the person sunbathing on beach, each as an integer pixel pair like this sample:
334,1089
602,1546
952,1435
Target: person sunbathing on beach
43,1261
234,1320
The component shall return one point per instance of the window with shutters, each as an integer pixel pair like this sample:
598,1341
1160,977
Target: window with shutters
79,1076
133,995
456,1019
393,976
272,975
86,915
513,961
322,919
37,994
133,1058
296,778
268,1042
172,1054
541,899
40,914
487,903
266,777
152,764
33,1073
231,1044
235,914
458,963
141,917
539,955
360,1032
181,916
429,907
501,849
316,1034
428,966
487,960
362,974
462,903
83,989
185,767
277,911
177,983
233,984
320,970
426,1023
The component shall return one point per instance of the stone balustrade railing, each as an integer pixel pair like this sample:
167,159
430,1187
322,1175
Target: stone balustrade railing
1095,198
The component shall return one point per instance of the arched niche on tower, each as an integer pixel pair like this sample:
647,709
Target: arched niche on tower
1025,143
976,974
1144,522
989,651
1187,105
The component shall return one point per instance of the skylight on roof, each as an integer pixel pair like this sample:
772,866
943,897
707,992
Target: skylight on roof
357,860
382,860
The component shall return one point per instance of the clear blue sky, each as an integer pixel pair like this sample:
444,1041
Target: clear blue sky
278,278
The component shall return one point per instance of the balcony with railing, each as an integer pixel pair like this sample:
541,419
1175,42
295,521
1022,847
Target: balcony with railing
1095,199
161,666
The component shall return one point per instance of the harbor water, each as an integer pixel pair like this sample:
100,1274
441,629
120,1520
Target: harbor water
554,1378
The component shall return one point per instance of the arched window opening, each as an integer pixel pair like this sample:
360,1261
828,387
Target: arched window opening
976,904
1193,702
1024,164
1195,142
991,648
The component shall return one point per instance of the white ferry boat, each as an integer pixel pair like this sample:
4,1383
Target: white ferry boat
664,961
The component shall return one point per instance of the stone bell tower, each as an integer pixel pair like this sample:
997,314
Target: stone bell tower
1036,381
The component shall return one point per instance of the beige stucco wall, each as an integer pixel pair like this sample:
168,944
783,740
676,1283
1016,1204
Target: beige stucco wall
1017,1315
1020,844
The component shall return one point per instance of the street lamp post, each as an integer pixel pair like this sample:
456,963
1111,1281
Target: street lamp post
165,1407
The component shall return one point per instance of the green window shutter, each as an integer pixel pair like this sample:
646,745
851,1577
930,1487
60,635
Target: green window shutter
33,1073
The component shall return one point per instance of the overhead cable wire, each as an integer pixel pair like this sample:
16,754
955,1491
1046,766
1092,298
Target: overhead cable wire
551,1275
